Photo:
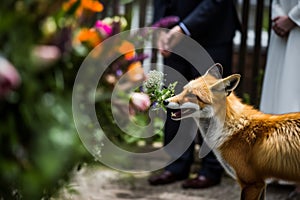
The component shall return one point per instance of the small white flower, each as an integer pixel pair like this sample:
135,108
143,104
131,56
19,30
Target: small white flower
154,80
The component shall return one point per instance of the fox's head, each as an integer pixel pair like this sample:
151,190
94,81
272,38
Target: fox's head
204,96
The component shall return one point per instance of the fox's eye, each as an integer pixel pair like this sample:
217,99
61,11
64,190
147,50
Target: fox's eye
198,98
201,101
190,95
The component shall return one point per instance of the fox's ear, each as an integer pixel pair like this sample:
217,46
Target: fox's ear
227,84
231,82
216,70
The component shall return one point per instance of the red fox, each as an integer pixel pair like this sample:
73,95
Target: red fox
251,146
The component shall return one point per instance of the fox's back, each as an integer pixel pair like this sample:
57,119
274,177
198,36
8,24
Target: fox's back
278,144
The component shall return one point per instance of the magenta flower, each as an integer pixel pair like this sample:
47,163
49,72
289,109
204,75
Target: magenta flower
139,57
166,22
103,27
141,101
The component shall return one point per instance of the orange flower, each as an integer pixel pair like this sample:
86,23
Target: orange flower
90,36
135,71
91,5
127,48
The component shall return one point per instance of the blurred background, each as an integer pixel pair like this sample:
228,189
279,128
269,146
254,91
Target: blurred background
42,45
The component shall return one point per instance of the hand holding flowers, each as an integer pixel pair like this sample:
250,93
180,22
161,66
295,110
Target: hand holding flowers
154,87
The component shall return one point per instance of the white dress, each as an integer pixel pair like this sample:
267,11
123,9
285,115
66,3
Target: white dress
281,85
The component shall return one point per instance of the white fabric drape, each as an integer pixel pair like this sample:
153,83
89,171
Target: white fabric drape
281,85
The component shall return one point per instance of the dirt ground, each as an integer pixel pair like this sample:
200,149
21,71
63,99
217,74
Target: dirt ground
101,183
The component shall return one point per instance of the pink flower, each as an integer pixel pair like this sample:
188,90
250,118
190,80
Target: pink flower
103,27
9,77
45,55
140,100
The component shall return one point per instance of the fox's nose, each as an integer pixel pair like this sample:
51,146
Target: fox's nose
166,102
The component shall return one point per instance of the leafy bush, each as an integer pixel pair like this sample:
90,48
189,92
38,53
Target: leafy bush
46,41
39,144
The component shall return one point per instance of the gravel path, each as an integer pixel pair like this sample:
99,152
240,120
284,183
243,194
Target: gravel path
101,183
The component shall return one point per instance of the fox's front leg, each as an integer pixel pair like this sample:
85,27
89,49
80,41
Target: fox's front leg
255,191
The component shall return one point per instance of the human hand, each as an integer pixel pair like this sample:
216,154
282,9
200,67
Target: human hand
282,25
167,40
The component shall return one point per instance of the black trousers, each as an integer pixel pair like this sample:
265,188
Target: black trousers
210,165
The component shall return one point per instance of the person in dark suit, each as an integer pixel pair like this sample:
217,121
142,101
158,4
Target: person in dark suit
212,23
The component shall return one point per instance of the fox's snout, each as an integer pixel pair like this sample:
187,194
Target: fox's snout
166,102
170,104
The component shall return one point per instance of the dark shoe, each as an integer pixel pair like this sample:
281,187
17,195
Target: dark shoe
199,182
166,177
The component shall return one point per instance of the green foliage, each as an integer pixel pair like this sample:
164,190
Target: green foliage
153,86
38,139
118,136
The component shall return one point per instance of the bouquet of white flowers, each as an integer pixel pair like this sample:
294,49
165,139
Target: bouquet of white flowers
154,87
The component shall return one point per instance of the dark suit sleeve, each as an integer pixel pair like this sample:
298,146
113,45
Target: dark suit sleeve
203,15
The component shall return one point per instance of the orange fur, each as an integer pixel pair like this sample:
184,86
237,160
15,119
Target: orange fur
255,145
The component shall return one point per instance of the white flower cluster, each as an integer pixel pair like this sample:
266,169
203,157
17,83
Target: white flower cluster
154,81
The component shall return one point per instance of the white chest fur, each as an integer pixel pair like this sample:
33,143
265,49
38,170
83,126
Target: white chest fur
211,131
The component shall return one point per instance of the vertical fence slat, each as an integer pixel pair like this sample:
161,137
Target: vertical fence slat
270,19
115,7
142,5
243,43
128,13
257,51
